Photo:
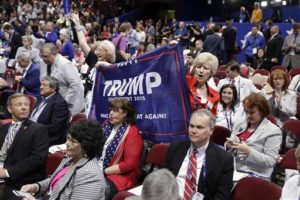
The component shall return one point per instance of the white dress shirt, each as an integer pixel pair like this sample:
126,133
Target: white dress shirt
183,169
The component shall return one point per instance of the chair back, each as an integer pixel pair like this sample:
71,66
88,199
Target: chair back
279,67
288,160
293,126
77,117
272,119
53,162
263,72
219,135
250,188
294,71
32,101
157,155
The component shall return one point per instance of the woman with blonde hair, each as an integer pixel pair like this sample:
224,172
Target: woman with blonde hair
201,95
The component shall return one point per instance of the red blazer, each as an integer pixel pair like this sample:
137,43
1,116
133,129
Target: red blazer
130,160
213,95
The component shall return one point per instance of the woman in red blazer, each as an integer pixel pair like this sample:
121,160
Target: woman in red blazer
123,148
200,94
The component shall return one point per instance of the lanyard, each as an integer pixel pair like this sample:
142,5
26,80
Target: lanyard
228,119
42,104
203,171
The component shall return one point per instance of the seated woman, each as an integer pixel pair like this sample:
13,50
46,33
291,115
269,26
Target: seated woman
121,156
230,112
256,146
78,176
260,61
283,102
201,95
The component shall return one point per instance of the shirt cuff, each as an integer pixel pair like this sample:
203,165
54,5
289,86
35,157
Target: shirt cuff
7,174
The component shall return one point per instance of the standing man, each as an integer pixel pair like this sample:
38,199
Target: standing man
200,166
254,42
29,81
52,111
23,147
273,49
243,85
14,39
71,87
229,35
214,44
291,48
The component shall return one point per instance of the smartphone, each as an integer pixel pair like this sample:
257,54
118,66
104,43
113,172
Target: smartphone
21,194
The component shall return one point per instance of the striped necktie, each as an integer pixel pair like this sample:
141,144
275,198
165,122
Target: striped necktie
190,178
9,138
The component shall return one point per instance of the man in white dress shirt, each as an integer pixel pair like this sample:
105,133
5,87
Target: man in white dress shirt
243,85
211,176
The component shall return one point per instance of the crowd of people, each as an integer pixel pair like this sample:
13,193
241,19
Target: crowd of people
54,61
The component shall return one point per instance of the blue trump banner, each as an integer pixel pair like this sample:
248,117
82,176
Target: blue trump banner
67,6
155,84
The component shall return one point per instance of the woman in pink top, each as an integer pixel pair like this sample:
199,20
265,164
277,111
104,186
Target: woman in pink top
79,176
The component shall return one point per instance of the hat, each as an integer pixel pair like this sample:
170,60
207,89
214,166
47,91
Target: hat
59,21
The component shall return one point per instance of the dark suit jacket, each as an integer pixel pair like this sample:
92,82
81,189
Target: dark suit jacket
15,43
229,35
31,81
55,117
219,169
274,50
27,155
215,45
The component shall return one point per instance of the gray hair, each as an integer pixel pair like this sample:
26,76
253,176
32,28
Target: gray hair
51,47
160,184
209,60
207,113
109,48
27,37
53,82
65,32
24,56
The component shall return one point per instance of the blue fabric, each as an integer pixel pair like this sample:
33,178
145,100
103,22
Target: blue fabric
112,146
51,37
156,85
254,42
68,50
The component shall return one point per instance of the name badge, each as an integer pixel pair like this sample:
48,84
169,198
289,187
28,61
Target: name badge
197,196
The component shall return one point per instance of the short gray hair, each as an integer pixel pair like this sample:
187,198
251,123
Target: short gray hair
24,56
51,47
207,113
109,48
209,60
53,82
160,184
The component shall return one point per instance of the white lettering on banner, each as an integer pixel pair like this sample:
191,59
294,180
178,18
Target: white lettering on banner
156,116
132,86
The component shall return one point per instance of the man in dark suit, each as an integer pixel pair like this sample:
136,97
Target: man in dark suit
274,45
29,81
14,39
213,178
214,44
52,111
23,147
229,35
